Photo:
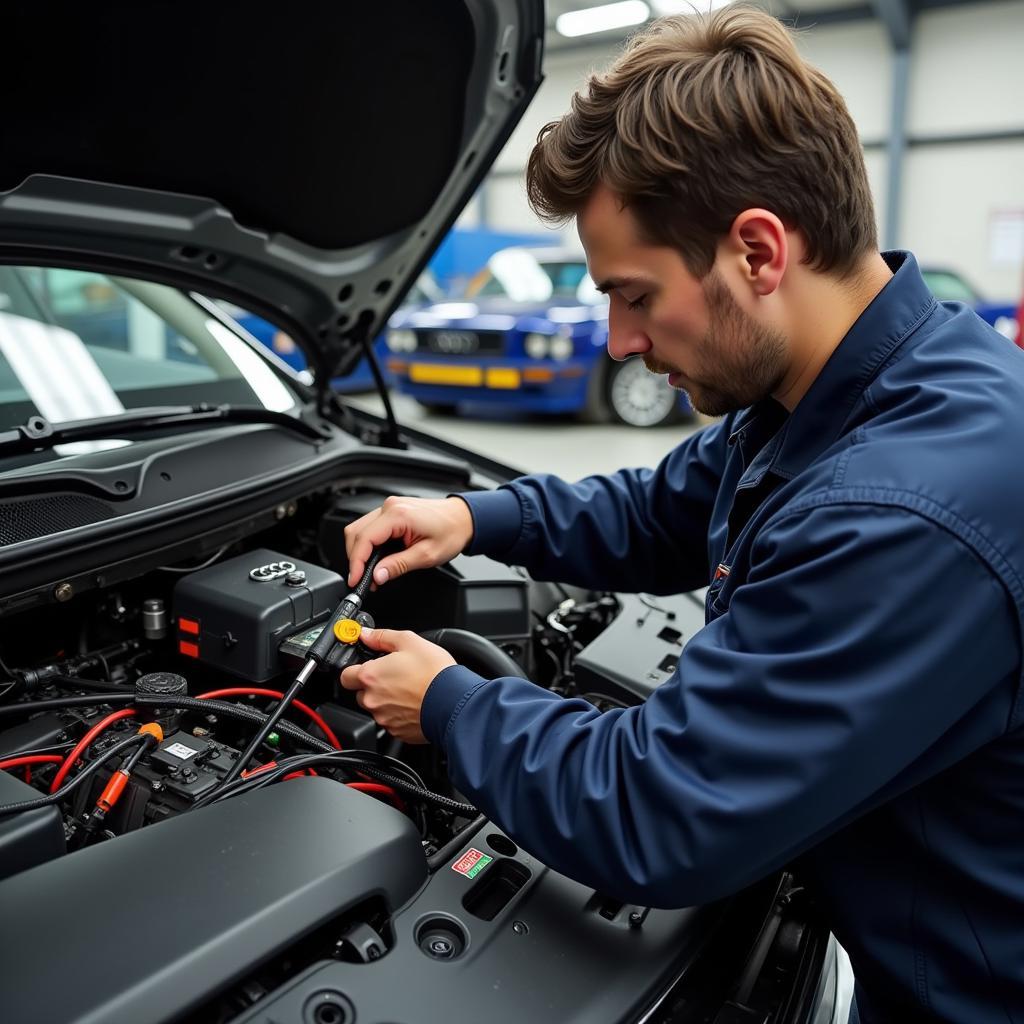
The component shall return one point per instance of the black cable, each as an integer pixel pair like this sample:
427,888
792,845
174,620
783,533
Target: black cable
343,759
445,802
442,854
54,748
232,711
358,761
90,769
30,707
318,654
95,685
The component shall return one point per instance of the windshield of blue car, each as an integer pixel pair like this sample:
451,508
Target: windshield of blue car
521,277
948,286
76,344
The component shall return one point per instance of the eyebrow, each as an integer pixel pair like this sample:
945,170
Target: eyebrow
619,282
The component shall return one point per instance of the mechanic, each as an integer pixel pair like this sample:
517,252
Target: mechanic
853,704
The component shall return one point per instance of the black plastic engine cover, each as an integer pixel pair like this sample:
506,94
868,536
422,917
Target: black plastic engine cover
141,929
639,650
28,838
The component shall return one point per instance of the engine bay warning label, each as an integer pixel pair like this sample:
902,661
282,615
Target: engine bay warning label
180,750
471,863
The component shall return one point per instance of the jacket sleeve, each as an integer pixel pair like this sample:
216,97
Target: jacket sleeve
635,530
852,648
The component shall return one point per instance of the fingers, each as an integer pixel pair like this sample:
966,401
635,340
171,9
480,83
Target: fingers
362,536
351,677
386,640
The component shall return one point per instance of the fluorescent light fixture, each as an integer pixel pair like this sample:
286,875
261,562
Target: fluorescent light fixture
603,18
663,7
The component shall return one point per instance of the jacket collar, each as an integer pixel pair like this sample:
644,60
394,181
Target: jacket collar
821,415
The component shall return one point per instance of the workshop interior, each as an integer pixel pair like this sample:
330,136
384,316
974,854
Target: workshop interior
212,223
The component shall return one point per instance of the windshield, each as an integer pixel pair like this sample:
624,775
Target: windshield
522,277
948,286
76,344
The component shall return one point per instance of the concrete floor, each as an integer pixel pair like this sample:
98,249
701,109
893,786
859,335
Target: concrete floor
538,444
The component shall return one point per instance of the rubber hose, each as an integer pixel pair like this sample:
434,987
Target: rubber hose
481,653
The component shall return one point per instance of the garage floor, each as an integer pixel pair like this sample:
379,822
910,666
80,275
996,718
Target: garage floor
541,444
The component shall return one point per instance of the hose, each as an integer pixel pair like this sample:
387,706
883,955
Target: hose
89,770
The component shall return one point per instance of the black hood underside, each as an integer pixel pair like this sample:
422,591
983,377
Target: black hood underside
302,158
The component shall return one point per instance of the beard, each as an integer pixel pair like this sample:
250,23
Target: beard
737,363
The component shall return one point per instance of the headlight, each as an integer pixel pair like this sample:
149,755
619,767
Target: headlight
561,348
536,345
401,341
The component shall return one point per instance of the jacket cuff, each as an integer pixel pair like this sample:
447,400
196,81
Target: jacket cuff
497,520
444,699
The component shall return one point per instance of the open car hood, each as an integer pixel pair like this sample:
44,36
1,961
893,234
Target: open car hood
303,163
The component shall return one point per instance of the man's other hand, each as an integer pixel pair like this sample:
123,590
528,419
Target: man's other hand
392,688
434,530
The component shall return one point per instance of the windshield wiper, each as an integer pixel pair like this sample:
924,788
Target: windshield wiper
39,433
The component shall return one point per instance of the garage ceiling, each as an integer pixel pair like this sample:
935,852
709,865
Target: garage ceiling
893,13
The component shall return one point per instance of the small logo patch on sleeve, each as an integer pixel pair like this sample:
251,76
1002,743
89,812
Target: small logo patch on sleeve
471,863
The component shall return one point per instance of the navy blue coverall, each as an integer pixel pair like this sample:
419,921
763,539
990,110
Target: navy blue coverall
853,703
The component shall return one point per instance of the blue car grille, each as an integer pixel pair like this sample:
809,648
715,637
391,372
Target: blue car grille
452,342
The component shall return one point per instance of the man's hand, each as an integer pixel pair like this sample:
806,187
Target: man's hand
392,688
434,530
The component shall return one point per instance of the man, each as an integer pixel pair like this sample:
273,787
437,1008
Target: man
854,701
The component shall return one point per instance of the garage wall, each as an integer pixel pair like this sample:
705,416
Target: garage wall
856,57
966,75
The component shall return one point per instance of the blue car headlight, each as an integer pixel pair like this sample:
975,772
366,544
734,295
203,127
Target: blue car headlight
401,340
561,348
537,345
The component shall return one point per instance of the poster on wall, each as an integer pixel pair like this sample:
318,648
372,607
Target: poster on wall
1006,238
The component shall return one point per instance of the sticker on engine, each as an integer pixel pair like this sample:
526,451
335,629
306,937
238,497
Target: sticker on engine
471,863
180,750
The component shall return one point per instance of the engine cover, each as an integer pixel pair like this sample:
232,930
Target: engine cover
154,923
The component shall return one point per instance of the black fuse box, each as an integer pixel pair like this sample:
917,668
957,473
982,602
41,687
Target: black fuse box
234,615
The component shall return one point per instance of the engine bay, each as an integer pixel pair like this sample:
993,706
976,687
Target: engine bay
339,870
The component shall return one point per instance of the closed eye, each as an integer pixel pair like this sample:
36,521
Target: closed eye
638,303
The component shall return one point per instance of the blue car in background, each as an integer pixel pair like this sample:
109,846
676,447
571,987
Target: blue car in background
950,286
424,291
530,334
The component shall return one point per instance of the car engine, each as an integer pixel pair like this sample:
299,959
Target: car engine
341,871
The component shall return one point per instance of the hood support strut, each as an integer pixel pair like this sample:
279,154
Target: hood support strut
389,437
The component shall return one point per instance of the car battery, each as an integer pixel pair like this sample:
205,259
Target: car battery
234,615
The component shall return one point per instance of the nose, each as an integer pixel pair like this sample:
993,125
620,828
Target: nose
625,336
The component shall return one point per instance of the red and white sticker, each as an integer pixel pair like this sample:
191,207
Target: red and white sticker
471,863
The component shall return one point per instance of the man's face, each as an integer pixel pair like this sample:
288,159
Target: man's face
692,329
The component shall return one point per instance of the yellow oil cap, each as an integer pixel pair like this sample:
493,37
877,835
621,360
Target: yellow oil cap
347,630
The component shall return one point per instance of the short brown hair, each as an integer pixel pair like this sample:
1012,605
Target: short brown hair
700,118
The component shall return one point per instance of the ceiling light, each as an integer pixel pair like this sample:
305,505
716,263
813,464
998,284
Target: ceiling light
662,7
601,19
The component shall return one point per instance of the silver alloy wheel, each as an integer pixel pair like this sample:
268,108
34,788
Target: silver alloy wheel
638,397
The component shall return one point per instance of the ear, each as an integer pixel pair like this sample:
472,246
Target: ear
757,240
